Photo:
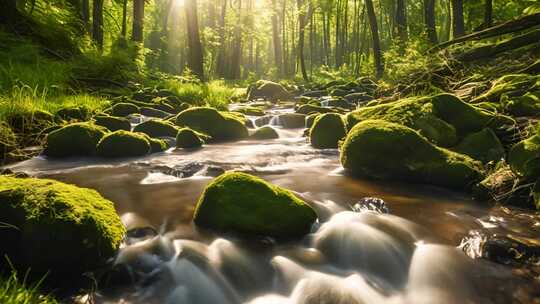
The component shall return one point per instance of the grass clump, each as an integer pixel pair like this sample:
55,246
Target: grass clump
214,94
15,291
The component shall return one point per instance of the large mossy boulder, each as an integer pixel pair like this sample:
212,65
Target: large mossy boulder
78,139
310,119
443,119
219,125
112,123
157,128
269,90
524,158
525,105
124,109
327,130
189,139
123,144
56,229
483,146
384,150
247,205
157,145
291,120
265,132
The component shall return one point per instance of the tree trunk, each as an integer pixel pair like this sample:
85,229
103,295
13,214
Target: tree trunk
236,58
429,17
124,18
379,68
220,65
97,23
138,20
85,12
401,20
276,40
9,12
488,13
301,38
458,24
195,51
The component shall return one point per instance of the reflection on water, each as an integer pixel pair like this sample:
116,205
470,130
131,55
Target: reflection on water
406,256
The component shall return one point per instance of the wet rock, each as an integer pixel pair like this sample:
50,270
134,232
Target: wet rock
218,125
483,146
291,120
327,130
266,132
338,92
383,150
247,205
124,109
188,139
157,145
250,124
261,121
251,111
310,119
338,103
358,98
79,139
157,128
123,144
309,109
371,204
56,229
268,90
112,123
314,94
151,112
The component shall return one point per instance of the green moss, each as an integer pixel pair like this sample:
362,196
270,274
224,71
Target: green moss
526,105
188,139
483,146
268,89
124,109
123,144
78,139
339,92
8,141
57,228
442,118
245,204
157,128
327,130
310,119
524,158
385,150
157,145
251,111
151,112
292,120
29,122
511,85
219,125
112,123
536,194
309,109
80,113
265,132
339,103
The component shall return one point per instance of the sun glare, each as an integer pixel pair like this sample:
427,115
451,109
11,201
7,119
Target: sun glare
178,3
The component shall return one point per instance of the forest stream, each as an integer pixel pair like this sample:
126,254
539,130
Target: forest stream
374,242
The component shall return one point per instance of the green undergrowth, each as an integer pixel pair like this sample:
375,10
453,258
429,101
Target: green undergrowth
13,290
216,93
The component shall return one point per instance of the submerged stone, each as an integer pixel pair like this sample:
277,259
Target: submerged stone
245,204
385,150
78,139
265,132
112,123
123,144
55,228
157,128
219,125
327,130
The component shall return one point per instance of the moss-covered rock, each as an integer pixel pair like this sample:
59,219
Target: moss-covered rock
327,130
442,118
48,226
483,146
513,85
251,111
310,119
112,123
524,158
157,145
338,103
340,92
78,139
29,122
123,144
292,120
269,90
188,139
124,109
157,128
219,125
80,113
151,112
525,105
8,141
385,150
309,109
265,132
245,204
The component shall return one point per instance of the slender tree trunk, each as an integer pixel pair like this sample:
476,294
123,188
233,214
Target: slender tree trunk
379,68
236,59
429,17
276,39
195,51
124,18
458,24
401,20
488,13
97,23
85,12
220,65
138,20
301,38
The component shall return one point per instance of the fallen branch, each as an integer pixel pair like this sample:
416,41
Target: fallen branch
512,26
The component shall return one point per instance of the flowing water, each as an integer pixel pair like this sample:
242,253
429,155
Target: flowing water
399,248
